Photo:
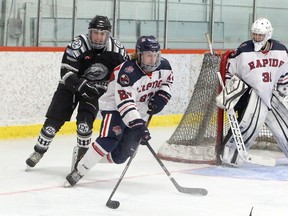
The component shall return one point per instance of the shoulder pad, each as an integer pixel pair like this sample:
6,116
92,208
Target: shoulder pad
79,41
246,46
276,45
129,74
164,65
78,46
114,45
117,43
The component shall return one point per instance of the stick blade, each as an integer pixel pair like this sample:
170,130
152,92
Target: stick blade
193,191
113,204
255,159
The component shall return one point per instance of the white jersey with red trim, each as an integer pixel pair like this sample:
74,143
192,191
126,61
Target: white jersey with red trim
130,89
260,70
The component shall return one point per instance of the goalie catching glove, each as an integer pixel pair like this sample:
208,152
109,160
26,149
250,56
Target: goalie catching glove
158,102
231,94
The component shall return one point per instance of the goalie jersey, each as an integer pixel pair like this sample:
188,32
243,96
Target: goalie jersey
259,70
130,89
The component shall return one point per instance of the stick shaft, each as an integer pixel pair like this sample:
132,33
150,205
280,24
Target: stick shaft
193,191
126,167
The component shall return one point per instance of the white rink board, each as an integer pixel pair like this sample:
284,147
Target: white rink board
29,79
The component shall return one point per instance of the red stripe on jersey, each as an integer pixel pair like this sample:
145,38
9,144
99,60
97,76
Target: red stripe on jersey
97,149
112,77
126,107
106,124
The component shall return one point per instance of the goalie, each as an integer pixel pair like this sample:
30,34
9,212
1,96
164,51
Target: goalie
256,87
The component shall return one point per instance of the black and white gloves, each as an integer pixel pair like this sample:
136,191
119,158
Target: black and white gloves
89,90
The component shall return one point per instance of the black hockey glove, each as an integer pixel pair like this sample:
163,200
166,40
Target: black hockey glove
158,101
89,90
140,131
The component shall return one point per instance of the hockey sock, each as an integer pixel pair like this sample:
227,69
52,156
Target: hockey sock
94,154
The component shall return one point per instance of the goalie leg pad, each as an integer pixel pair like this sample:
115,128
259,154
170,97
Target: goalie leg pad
250,126
230,155
277,122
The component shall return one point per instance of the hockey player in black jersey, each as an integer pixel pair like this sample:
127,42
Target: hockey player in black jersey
87,64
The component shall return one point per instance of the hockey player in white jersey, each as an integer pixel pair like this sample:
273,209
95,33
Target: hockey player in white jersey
136,87
255,72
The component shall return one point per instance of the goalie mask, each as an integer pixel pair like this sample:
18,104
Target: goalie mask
99,31
148,53
261,32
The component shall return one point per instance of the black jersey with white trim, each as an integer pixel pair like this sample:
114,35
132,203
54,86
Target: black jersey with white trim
130,89
79,57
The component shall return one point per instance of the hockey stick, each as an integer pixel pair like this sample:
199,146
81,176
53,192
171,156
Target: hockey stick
192,191
114,204
235,129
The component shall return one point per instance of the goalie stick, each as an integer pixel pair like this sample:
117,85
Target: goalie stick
235,129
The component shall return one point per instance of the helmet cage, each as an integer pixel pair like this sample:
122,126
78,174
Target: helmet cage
96,45
149,67
264,27
148,44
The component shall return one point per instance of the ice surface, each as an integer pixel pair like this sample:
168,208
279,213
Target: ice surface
145,190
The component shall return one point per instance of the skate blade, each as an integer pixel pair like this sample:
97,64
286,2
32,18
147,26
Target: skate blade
67,184
27,168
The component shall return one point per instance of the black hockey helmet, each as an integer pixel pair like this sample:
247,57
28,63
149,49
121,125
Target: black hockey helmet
100,22
147,44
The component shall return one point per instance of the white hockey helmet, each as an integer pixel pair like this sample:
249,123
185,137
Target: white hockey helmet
264,27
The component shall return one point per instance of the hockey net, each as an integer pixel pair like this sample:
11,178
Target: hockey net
198,137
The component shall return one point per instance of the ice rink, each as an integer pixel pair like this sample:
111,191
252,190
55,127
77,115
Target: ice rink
145,190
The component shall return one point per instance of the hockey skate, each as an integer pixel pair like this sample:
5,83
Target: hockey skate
72,178
33,159
77,155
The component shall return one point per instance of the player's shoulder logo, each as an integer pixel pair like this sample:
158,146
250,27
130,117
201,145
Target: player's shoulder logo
124,80
129,69
117,43
76,44
243,45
